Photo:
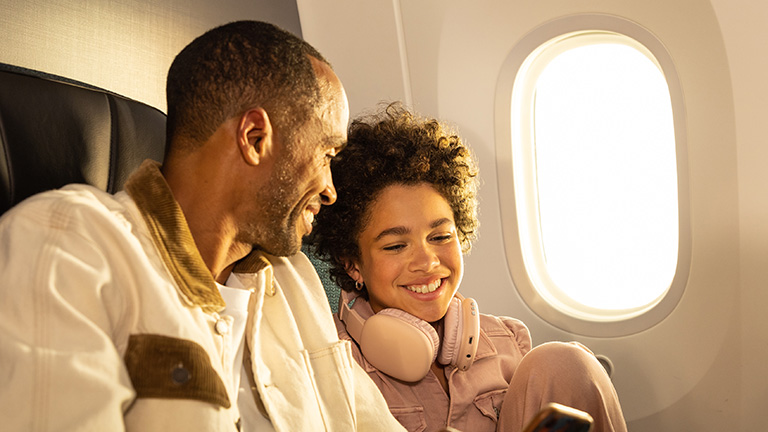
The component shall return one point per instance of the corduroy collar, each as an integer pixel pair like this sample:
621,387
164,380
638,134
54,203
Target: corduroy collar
170,234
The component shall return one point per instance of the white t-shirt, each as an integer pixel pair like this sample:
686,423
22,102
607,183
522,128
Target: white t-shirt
236,297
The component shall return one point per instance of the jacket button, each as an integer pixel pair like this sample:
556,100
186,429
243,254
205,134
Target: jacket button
221,327
180,375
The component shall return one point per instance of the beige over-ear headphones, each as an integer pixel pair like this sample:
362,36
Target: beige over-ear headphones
404,346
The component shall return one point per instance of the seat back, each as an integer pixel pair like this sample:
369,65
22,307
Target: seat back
55,131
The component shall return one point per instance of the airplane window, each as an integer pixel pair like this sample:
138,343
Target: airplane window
595,175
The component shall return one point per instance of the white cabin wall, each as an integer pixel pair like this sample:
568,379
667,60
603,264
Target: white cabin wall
383,51
123,46
362,42
743,24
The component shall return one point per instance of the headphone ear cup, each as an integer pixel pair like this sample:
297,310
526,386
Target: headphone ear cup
399,344
451,331
461,334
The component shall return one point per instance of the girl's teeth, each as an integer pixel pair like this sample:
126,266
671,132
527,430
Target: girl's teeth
422,289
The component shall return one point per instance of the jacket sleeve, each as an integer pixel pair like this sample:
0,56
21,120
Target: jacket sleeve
58,317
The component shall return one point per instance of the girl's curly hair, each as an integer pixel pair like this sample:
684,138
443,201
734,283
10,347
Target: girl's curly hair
392,147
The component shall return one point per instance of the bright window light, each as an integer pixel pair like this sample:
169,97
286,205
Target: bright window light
599,219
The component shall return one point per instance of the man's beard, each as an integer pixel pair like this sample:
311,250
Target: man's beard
273,227
281,239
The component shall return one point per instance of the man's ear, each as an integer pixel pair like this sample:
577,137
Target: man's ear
254,135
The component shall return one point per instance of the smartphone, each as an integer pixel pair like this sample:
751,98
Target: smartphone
560,418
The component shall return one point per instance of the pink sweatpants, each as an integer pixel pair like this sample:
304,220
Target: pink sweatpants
566,373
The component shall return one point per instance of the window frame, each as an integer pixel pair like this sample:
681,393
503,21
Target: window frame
572,316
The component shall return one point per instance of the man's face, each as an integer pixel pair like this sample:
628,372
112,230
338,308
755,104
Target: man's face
301,181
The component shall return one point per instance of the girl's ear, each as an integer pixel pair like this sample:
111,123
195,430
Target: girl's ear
353,270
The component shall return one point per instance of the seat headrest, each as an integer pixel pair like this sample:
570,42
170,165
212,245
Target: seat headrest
54,131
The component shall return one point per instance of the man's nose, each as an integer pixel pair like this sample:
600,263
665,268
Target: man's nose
328,195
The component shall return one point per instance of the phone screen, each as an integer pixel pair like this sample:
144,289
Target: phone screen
559,418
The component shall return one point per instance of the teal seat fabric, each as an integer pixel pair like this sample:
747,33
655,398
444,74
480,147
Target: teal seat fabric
332,291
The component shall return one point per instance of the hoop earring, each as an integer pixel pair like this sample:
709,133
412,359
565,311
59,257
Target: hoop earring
359,286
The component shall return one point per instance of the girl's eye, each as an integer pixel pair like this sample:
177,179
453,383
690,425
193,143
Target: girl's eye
442,237
396,247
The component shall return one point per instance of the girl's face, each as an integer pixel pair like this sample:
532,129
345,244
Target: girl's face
410,257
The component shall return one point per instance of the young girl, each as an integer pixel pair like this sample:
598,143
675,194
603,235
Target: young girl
405,214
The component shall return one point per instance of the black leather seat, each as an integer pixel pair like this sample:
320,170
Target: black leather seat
55,131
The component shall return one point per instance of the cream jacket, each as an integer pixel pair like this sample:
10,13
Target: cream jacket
109,320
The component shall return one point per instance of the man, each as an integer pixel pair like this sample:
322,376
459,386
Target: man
170,305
